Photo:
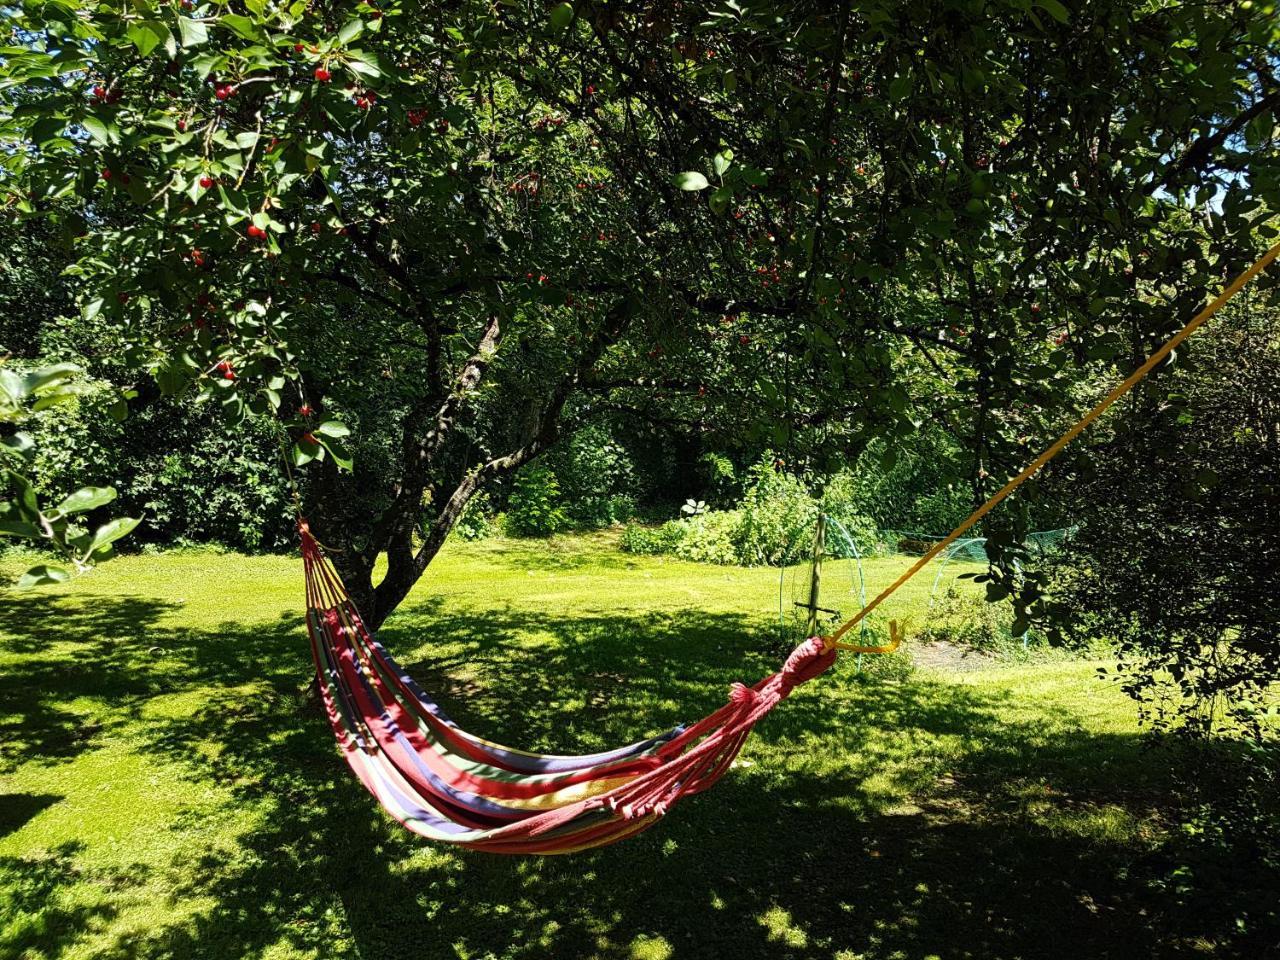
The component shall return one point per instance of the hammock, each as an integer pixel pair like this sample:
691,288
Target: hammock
452,786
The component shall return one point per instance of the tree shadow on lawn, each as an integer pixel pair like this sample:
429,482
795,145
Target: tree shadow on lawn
804,853
105,651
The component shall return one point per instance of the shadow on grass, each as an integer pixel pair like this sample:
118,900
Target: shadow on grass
804,853
104,652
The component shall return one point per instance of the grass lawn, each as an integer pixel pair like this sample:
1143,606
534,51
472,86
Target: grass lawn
168,787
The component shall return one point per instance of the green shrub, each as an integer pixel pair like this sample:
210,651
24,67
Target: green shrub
840,501
719,479
188,473
709,537
966,619
477,521
778,516
533,509
597,477
646,540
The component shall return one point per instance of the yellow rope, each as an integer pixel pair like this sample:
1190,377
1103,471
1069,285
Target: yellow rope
833,640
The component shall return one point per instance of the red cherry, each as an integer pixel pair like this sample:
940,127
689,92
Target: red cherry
310,438
256,232
316,228
1035,309
297,48
206,182
182,126
322,74
305,410
197,258
743,340
106,174
99,92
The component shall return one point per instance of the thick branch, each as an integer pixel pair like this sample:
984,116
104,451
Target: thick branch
403,572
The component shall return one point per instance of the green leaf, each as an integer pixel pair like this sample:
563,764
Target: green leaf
690,180
144,38
97,129
1054,9
561,16
86,498
339,453
20,445
111,531
193,32
241,25
41,379
722,161
41,575
332,428
18,528
303,452
350,30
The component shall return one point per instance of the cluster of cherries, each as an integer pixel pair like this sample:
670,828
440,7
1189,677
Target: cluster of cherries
530,183
768,275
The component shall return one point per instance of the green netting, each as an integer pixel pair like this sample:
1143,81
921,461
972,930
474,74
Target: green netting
843,584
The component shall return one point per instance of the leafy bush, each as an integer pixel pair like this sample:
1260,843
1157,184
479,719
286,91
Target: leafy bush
968,620
840,502
777,517
597,477
645,540
190,474
719,478
60,528
477,521
710,537
533,509
915,486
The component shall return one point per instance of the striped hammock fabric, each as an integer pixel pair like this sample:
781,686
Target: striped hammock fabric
452,786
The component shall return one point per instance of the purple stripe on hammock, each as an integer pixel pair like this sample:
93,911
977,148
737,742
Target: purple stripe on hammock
520,762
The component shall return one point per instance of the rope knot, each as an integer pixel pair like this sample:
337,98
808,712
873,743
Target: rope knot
740,695
811,659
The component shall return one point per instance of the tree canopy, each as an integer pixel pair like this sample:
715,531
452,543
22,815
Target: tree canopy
423,234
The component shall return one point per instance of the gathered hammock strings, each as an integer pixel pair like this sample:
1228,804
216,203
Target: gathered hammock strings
448,785
833,639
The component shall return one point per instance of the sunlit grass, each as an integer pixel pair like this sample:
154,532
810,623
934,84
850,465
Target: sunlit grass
169,789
